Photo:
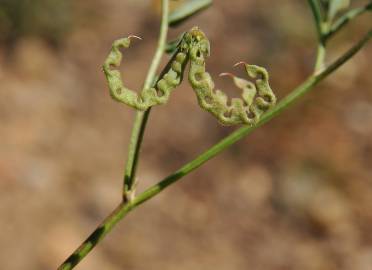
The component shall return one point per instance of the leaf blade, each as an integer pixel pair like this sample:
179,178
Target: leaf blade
335,6
187,10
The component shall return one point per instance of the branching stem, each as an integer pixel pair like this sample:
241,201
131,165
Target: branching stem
140,122
346,18
291,98
138,131
125,207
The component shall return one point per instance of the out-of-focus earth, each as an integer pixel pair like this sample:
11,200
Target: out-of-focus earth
296,194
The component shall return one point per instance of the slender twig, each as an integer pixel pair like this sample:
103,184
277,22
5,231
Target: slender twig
320,57
142,117
133,155
124,208
319,24
298,92
104,228
346,18
318,17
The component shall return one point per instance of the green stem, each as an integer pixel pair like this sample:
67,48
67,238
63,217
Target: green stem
346,18
142,117
320,57
135,143
102,230
133,155
305,87
320,25
124,208
318,18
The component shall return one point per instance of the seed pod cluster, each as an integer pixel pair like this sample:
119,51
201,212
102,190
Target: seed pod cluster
257,97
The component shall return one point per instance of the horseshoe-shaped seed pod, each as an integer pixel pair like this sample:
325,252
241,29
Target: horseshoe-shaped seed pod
256,99
168,81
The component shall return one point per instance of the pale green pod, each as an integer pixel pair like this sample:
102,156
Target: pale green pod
147,98
257,97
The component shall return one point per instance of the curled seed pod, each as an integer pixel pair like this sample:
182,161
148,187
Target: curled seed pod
256,97
265,98
169,80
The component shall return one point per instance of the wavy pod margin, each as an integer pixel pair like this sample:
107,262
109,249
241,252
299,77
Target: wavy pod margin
256,99
149,97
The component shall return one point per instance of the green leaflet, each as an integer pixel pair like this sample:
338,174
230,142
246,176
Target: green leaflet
173,45
257,97
335,6
187,10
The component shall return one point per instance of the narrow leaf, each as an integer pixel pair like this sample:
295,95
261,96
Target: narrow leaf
172,45
187,10
335,6
346,18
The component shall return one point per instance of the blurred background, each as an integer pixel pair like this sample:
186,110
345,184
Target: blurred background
296,194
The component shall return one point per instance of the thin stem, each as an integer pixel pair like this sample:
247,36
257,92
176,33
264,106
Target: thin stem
346,18
135,143
319,23
99,233
320,57
132,161
161,45
318,18
305,87
124,208
142,117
